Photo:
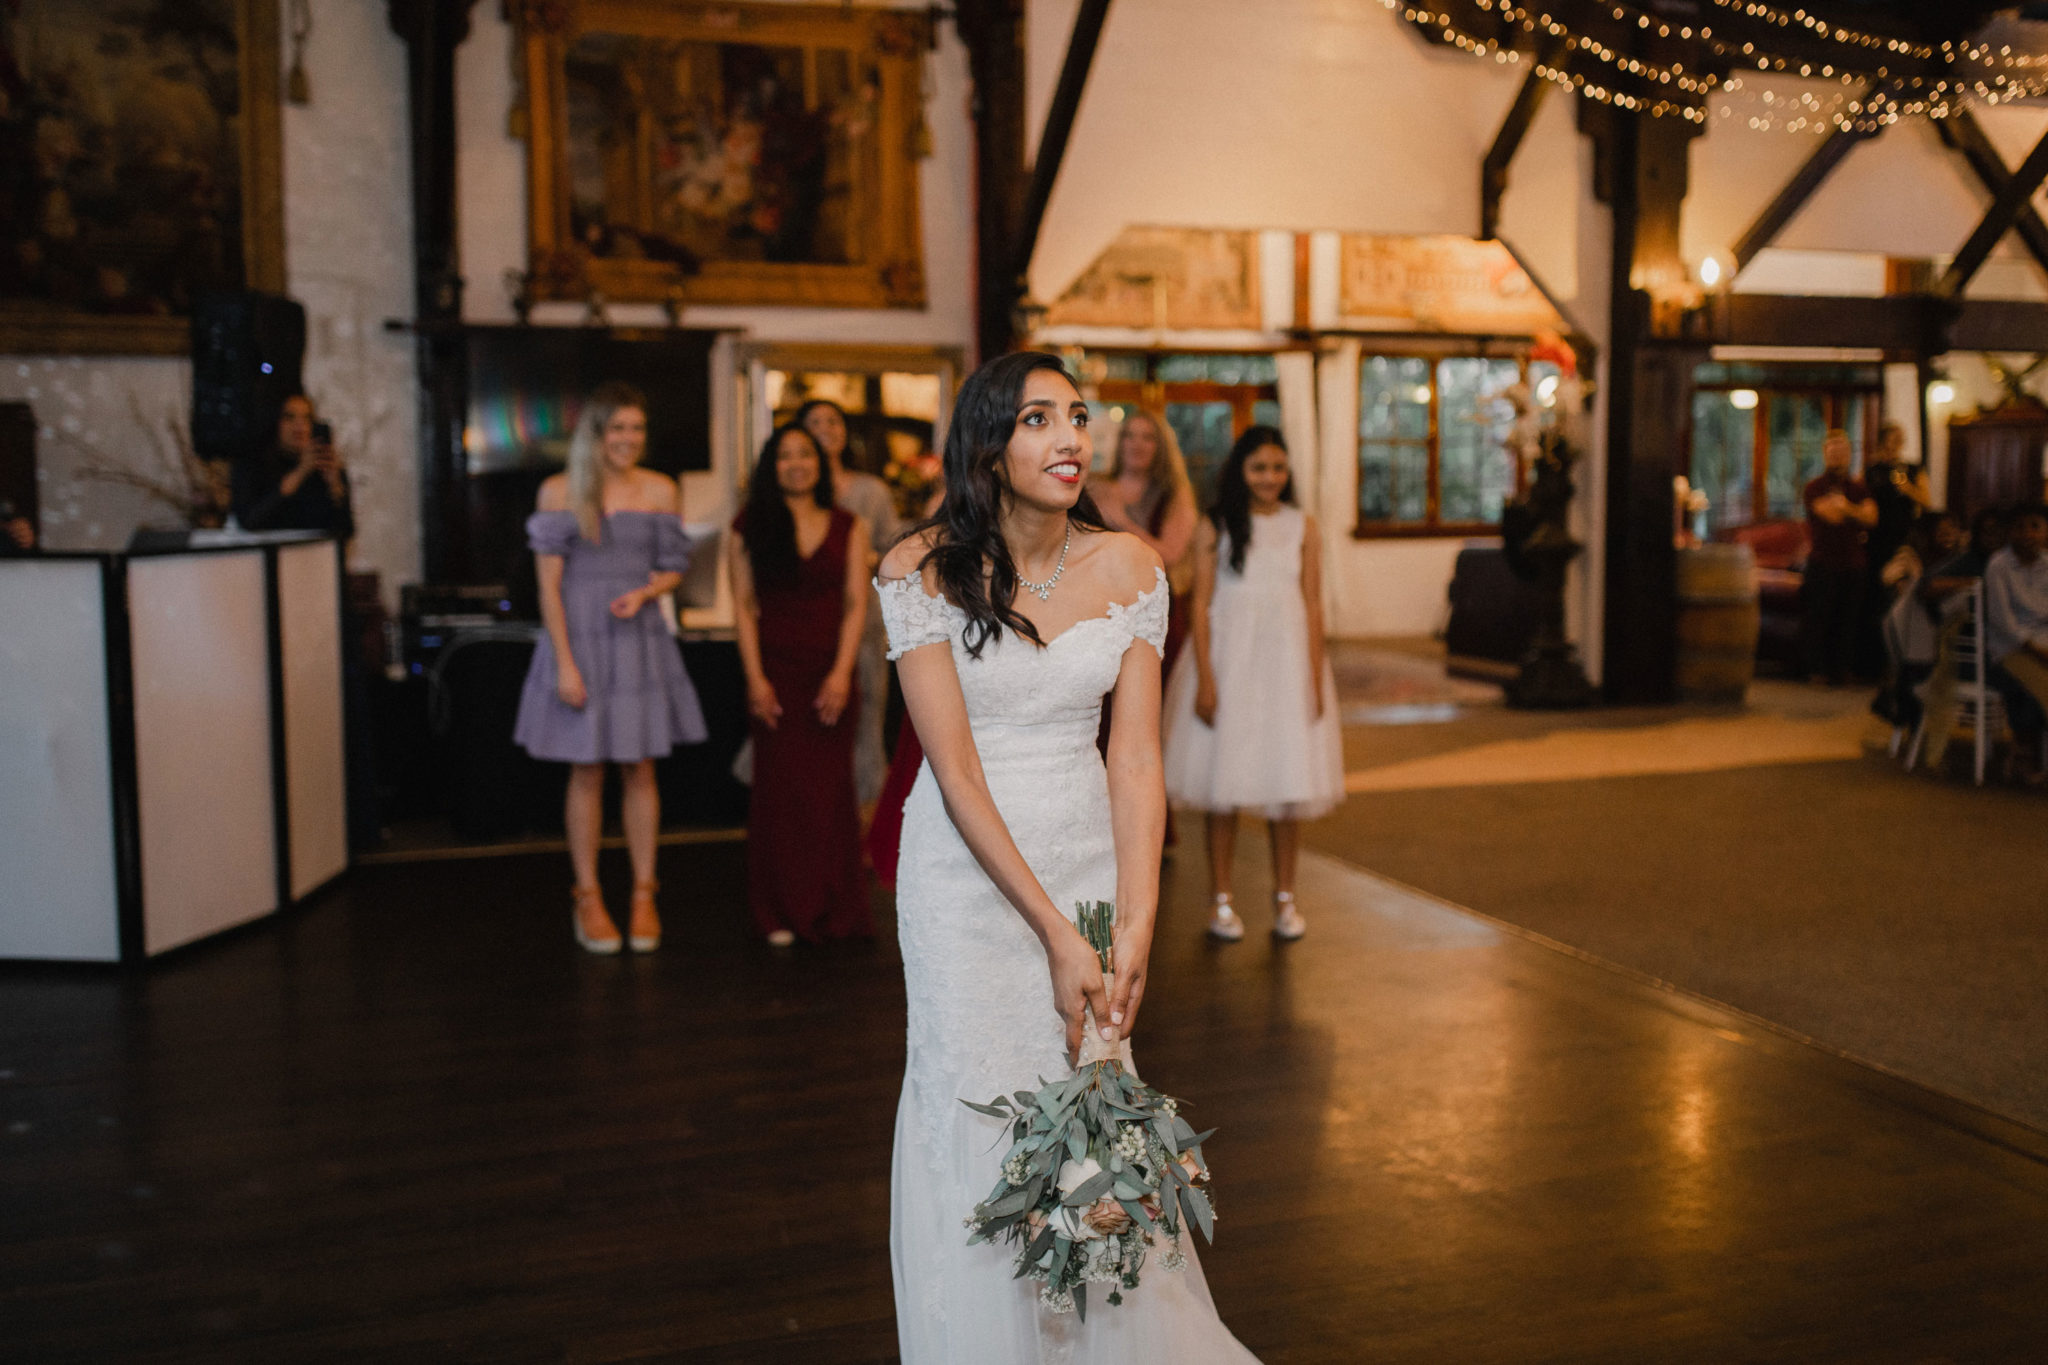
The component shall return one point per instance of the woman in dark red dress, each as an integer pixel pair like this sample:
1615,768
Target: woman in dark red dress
799,576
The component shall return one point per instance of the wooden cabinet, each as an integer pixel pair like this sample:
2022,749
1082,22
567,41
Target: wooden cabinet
1995,458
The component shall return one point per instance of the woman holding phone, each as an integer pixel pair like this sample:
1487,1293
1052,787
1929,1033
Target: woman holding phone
300,484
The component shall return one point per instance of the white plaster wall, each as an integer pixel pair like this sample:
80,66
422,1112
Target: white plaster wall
491,178
1285,114
348,256
1351,122
1900,193
98,416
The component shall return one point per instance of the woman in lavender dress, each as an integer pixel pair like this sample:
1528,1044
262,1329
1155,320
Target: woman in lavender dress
607,685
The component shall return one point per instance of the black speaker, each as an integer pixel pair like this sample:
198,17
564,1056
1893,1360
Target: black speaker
247,349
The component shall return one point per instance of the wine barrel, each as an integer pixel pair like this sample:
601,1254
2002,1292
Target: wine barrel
1718,619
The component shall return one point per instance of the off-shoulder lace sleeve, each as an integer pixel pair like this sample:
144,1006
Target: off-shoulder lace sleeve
672,546
551,533
913,617
1146,617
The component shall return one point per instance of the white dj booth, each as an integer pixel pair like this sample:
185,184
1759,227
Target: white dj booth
171,742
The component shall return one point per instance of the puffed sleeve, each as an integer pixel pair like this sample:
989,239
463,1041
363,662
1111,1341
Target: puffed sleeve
672,546
912,616
1147,615
551,533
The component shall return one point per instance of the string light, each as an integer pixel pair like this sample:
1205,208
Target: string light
1969,72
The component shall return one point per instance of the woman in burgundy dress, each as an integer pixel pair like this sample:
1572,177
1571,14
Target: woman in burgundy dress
799,575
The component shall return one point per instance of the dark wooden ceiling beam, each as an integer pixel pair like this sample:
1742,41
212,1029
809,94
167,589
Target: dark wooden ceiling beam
1962,132
1785,205
1059,126
1998,220
1493,174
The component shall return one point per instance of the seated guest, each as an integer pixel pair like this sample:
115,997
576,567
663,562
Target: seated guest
1956,573
2016,634
1933,538
1940,595
298,485
1912,625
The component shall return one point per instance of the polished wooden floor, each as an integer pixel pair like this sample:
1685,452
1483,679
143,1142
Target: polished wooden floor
413,1123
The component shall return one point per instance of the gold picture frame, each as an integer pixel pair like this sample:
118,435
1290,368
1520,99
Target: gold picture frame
702,153
44,323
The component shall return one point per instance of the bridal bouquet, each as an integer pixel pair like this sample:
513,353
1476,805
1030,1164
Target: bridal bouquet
1101,1167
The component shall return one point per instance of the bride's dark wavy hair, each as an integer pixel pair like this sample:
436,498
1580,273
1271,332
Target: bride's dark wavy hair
1232,509
968,555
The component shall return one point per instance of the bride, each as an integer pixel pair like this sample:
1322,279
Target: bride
1011,614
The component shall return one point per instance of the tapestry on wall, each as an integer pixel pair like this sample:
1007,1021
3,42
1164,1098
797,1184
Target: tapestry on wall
724,153
138,167
1439,284
1167,278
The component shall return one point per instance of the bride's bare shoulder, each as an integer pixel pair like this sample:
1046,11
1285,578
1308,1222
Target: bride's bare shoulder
907,557
1128,565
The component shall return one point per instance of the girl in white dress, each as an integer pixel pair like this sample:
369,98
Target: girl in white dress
1010,614
1251,711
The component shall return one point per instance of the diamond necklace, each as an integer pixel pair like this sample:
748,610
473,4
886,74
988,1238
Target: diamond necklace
1044,590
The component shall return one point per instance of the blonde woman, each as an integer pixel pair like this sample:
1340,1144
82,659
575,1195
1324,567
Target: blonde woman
1146,492
607,685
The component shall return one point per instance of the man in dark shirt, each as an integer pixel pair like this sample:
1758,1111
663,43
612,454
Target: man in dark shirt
299,486
1839,515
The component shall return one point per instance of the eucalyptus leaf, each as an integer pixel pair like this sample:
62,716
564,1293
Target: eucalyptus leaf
1014,1202
988,1109
1090,1190
1198,1203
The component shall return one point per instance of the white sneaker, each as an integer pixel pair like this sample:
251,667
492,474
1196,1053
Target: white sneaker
1224,923
1288,923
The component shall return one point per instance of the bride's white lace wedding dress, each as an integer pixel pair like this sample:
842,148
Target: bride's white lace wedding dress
982,1021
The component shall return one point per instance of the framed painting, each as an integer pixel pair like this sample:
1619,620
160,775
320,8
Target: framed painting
139,167
683,152
1162,278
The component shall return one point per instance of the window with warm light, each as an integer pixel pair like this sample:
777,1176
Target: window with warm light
1757,432
1432,441
1208,398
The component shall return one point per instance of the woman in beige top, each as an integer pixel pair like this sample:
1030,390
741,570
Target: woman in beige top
1147,493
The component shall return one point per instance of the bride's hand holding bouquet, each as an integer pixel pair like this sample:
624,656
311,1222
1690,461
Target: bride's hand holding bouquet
1079,991
1101,1167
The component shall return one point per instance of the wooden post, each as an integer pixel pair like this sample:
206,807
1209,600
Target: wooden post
1649,387
993,33
432,29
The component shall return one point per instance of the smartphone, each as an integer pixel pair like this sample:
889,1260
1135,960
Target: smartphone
323,434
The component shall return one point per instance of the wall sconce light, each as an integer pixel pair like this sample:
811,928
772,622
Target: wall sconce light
1941,393
1710,272
1744,399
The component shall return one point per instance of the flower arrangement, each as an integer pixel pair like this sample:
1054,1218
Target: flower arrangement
1101,1167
